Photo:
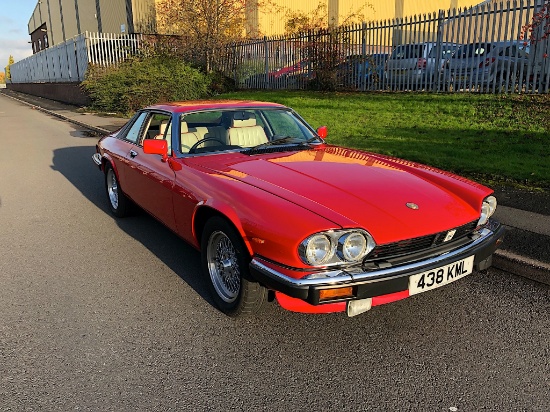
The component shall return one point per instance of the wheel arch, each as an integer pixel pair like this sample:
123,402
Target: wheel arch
206,211
106,160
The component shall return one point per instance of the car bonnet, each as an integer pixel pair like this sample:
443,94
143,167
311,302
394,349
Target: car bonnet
351,188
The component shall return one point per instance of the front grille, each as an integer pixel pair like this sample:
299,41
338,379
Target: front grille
419,244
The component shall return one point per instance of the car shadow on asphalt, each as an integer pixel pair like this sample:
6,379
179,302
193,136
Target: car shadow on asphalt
76,165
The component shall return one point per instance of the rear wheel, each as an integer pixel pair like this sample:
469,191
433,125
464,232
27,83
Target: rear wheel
225,263
118,202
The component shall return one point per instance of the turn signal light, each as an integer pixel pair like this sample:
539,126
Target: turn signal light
337,293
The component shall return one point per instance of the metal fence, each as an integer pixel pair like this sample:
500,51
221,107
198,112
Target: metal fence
68,61
484,48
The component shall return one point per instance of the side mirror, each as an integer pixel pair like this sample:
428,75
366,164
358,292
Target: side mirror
322,132
154,146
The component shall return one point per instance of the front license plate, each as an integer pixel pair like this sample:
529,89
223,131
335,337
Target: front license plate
441,276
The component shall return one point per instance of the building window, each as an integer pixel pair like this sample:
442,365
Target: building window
46,45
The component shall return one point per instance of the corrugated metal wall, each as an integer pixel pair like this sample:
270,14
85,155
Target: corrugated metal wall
69,18
113,16
87,15
272,16
55,27
63,22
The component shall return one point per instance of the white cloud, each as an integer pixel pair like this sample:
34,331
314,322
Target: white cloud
18,48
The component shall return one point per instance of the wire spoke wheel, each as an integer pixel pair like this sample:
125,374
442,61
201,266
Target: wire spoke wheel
112,188
223,267
118,202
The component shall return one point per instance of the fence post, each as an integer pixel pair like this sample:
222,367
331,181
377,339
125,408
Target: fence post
439,50
362,71
266,61
234,49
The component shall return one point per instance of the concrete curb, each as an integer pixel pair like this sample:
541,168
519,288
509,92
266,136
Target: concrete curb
522,266
502,259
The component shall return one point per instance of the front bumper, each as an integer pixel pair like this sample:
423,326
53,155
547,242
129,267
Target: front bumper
379,282
96,157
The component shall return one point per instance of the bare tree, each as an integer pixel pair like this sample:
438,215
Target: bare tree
206,25
318,18
539,27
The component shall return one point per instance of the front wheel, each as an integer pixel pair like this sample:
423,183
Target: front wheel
118,202
225,263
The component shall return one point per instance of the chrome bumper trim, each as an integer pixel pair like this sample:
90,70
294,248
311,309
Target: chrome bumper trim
96,157
340,276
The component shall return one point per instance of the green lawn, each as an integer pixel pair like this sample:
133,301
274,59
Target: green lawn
493,139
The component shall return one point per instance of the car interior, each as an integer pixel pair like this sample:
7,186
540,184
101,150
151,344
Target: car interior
235,129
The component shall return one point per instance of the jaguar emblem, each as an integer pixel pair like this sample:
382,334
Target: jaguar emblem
412,206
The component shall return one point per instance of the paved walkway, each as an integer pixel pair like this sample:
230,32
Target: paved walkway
522,219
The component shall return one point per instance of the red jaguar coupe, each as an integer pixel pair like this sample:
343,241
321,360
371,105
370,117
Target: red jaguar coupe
276,212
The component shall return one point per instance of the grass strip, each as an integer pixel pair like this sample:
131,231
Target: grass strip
489,138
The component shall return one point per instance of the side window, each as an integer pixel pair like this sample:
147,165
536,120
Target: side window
133,133
158,127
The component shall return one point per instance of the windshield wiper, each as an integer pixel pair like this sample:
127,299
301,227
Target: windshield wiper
283,140
274,142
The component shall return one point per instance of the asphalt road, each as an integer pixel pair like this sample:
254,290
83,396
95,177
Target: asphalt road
104,314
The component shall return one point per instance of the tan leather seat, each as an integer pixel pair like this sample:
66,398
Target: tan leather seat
162,129
187,138
163,133
246,133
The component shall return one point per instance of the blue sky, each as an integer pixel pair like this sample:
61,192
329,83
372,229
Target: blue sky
14,36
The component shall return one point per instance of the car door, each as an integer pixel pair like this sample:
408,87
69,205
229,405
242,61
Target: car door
149,180
120,147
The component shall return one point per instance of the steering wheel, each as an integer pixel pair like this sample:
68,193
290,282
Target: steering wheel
193,148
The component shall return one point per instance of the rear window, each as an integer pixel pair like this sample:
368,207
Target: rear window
205,118
514,51
408,51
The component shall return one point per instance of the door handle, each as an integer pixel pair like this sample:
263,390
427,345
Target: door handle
133,154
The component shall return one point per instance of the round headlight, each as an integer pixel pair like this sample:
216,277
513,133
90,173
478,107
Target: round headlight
352,246
487,210
318,250
492,203
484,215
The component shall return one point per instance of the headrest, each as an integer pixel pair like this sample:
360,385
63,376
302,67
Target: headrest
243,115
162,126
183,127
243,123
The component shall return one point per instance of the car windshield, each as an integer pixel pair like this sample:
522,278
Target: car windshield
467,51
408,51
446,51
219,130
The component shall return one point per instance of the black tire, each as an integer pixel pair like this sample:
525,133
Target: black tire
231,287
118,202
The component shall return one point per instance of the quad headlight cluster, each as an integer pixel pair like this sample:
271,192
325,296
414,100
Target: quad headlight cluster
336,247
487,210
